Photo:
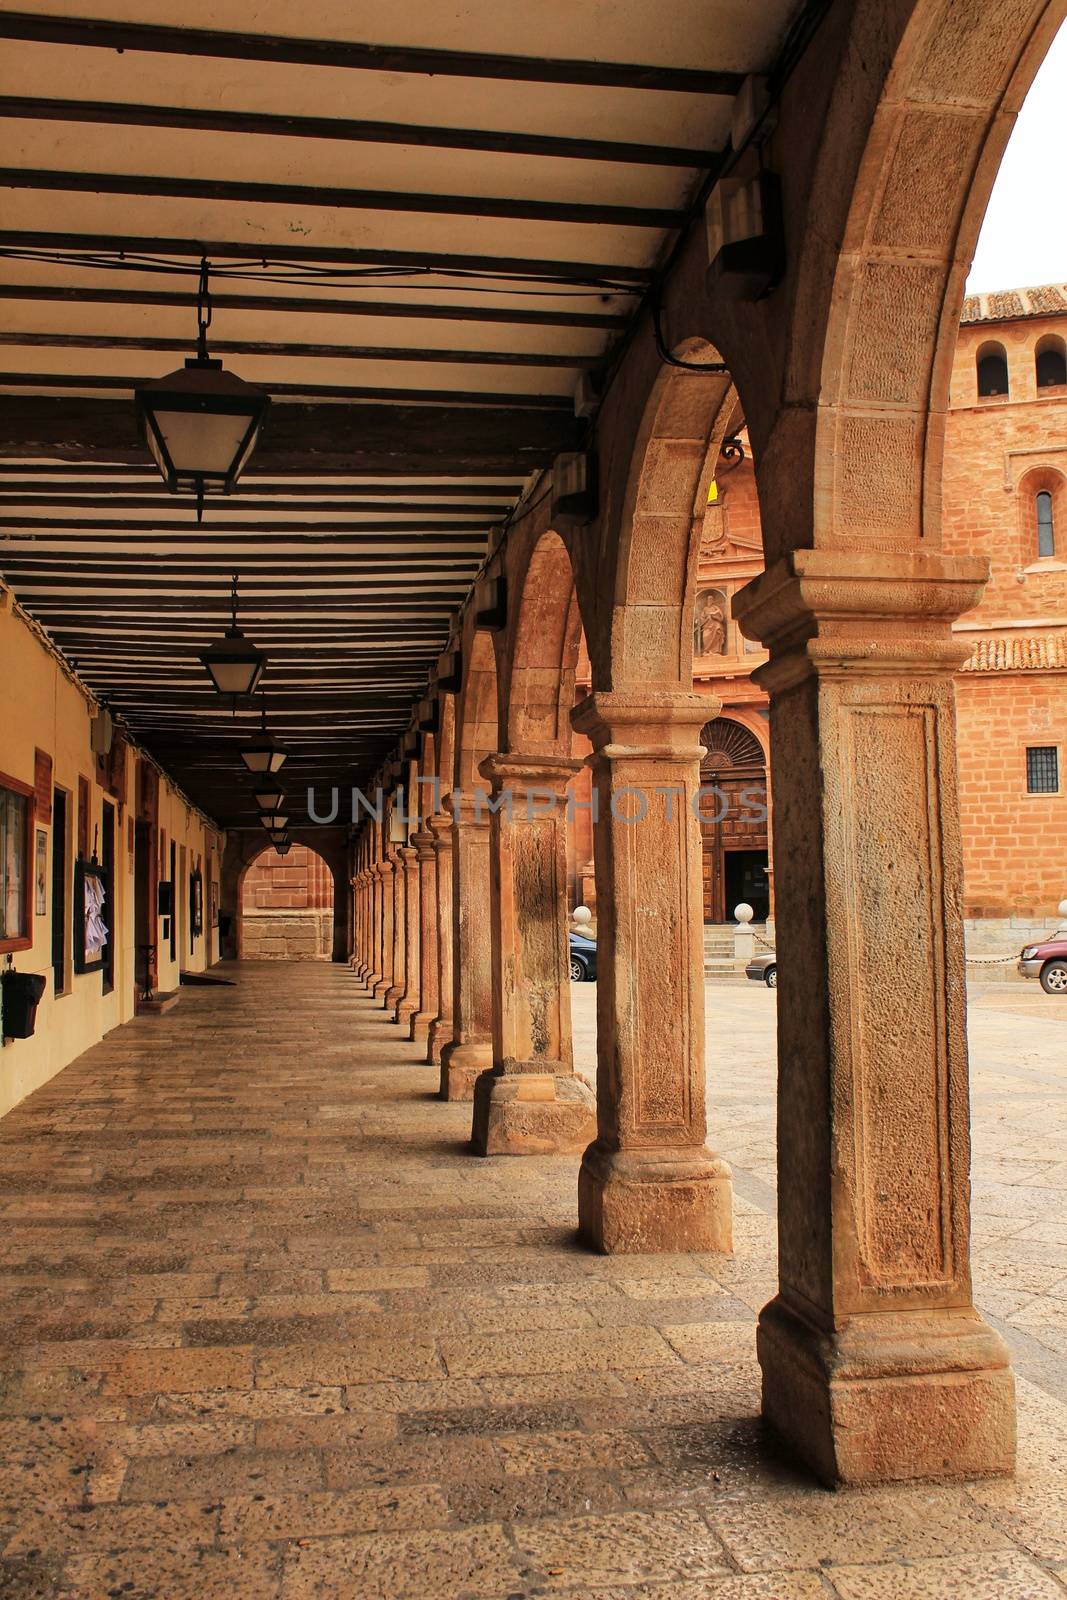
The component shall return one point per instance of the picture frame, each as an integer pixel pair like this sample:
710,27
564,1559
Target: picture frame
40,874
90,879
196,902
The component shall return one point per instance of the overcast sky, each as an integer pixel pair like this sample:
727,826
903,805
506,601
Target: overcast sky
1024,236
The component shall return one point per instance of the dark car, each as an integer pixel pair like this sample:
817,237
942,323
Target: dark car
1047,961
583,958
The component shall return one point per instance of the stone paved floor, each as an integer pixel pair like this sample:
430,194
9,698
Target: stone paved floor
268,1330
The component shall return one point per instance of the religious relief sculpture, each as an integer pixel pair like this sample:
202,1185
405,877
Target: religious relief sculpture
709,623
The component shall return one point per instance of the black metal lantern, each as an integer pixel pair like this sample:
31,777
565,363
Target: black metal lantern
274,821
201,423
263,753
268,796
282,846
234,664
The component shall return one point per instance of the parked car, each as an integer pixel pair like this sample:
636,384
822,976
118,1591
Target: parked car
1047,961
583,958
764,969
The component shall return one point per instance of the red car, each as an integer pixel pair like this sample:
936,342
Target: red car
1047,961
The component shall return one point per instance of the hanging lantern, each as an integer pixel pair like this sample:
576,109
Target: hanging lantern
274,821
268,796
233,663
201,423
282,847
263,753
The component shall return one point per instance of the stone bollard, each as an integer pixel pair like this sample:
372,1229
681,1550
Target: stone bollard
744,938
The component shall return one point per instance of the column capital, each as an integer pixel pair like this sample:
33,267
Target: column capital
825,612
440,825
654,724
422,841
513,770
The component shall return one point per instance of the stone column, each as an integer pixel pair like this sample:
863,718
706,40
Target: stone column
471,1048
875,1363
419,1026
386,874
440,1033
354,921
408,1003
649,1182
531,1101
374,932
396,987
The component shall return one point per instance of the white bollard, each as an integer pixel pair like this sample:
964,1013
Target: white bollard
744,938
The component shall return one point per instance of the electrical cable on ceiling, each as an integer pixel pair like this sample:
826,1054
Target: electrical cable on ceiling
265,270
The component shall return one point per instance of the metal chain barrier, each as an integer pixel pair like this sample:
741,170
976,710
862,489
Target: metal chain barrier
991,961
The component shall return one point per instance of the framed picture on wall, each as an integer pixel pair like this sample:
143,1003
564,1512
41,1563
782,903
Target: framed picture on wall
213,901
40,875
91,933
196,902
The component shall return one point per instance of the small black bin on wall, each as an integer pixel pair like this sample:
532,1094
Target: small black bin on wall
21,995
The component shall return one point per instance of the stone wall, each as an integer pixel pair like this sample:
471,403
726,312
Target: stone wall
287,907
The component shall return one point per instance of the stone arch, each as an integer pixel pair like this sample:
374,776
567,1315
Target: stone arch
475,728
1050,362
1042,525
243,847
991,370
641,592
537,683
952,79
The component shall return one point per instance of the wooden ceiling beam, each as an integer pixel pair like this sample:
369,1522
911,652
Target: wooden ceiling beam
166,39
372,438
121,113
244,192
316,305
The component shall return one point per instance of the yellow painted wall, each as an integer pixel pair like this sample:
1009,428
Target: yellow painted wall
42,709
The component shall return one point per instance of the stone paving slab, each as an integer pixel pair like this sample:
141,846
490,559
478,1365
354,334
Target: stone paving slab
267,1329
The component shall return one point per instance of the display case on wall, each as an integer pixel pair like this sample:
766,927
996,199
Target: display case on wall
92,897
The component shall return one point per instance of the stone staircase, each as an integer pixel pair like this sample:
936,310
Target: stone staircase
719,951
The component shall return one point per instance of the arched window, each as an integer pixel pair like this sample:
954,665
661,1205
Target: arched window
992,370
1050,362
1046,527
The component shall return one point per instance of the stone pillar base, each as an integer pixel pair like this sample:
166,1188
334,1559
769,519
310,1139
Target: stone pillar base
438,1040
532,1113
405,1010
379,988
461,1065
655,1200
419,1026
891,1395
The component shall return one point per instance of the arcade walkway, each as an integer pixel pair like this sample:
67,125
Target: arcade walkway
275,1333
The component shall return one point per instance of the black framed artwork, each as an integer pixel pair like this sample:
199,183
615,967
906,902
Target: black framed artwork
196,903
92,896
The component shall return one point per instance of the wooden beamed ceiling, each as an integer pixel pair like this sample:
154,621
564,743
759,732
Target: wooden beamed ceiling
424,224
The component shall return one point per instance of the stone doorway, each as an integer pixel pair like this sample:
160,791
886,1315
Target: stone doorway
733,821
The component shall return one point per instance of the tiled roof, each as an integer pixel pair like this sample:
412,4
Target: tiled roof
1014,654
1048,300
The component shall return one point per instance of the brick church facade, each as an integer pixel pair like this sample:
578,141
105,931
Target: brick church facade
1005,497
